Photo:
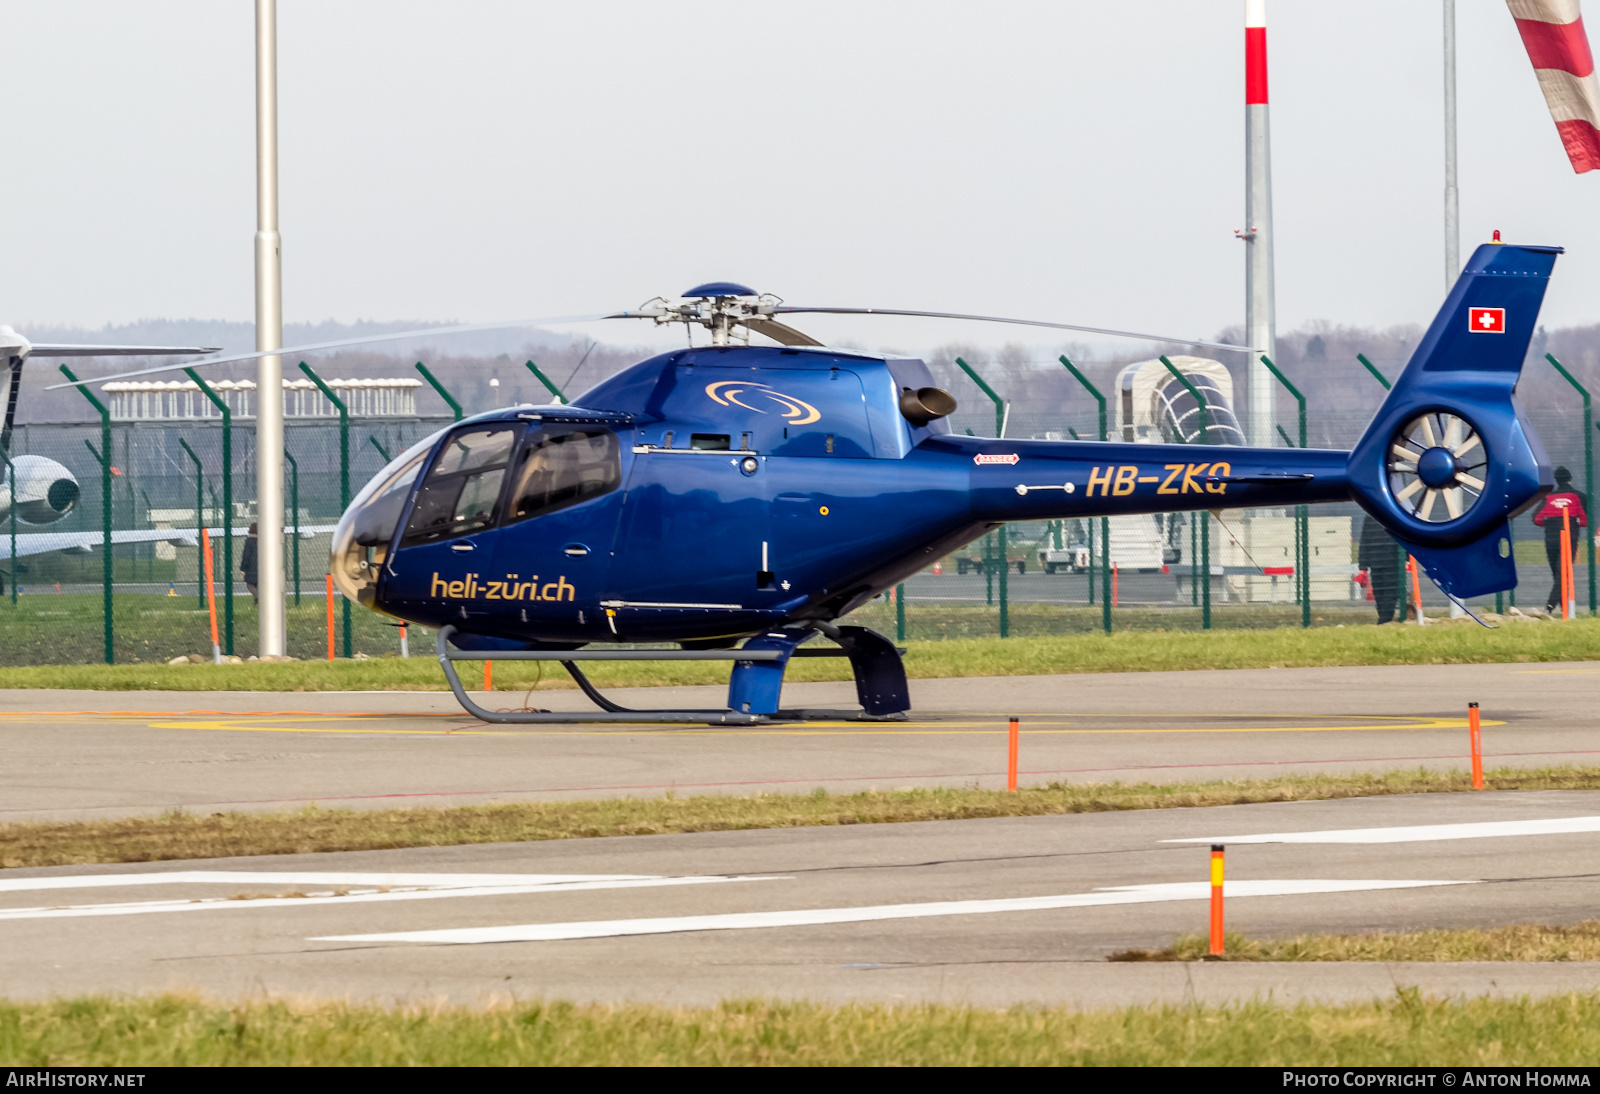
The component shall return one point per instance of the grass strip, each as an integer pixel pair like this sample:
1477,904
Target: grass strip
1459,643
1519,942
179,835
1405,1030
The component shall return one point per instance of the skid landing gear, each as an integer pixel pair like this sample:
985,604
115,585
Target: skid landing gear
753,686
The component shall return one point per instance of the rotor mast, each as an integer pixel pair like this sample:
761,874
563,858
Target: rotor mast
269,335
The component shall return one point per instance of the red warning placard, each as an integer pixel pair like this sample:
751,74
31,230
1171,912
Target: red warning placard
1487,320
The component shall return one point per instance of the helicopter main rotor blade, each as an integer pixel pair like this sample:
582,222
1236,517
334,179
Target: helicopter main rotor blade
42,349
781,333
290,351
785,309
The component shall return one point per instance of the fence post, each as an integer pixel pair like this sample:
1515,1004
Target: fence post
1404,601
105,509
1194,556
12,478
1105,522
1588,466
199,520
1204,515
344,459
150,568
1089,525
294,509
900,611
1372,368
382,451
548,383
227,505
1301,568
1005,566
999,431
450,400
1302,515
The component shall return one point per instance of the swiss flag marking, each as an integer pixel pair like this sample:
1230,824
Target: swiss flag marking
1487,320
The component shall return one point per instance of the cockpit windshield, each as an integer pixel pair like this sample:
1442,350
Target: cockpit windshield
361,541
461,494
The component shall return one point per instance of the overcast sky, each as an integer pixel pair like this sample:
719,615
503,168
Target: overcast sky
480,160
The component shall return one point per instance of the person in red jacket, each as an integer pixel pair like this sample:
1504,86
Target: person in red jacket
1563,499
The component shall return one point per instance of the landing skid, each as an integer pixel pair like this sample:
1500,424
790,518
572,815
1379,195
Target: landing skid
875,661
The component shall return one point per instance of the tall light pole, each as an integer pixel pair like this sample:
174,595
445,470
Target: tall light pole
1452,197
269,335
1259,319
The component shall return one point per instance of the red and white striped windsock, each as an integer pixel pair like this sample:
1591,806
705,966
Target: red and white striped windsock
1559,49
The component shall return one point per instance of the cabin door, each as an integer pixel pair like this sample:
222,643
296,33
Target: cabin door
556,535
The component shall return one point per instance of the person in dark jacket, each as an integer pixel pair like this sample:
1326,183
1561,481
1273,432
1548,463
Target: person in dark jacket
247,562
1379,556
1549,517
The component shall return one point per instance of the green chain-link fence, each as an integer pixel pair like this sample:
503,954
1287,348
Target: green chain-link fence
1032,578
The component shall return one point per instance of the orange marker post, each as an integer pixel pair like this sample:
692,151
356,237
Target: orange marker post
1477,746
1113,585
405,649
1567,596
488,676
1416,588
211,596
330,616
1011,755
1216,900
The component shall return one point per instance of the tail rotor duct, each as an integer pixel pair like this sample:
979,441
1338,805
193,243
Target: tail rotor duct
1437,465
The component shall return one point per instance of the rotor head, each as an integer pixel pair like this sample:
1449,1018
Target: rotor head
728,310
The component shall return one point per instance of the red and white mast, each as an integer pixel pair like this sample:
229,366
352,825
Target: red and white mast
1259,320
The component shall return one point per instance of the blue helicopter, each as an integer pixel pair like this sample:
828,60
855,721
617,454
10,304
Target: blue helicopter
739,501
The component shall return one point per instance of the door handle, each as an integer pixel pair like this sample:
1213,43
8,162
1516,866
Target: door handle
462,548
574,550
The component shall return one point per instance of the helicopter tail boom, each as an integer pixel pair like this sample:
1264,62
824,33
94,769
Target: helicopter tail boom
1048,480
1449,458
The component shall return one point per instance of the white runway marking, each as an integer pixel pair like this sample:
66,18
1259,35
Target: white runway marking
1418,833
296,877
808,917
347,889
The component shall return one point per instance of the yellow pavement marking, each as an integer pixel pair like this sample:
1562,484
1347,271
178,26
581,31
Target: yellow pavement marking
228,713
251,728
826,729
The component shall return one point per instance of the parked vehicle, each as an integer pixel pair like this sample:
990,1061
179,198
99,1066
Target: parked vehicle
977,564
1069,560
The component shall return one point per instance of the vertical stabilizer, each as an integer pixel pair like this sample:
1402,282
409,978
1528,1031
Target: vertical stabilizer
1449,458
10,386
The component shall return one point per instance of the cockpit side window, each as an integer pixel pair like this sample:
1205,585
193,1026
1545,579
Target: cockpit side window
462,491
560,468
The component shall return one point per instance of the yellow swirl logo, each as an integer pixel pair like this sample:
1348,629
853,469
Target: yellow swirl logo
733,392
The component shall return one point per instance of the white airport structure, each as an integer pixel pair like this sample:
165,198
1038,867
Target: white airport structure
390,397
1156,407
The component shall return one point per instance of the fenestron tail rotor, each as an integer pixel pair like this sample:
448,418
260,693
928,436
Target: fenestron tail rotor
1436,465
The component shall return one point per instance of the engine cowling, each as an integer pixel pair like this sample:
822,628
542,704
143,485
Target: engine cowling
43,493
